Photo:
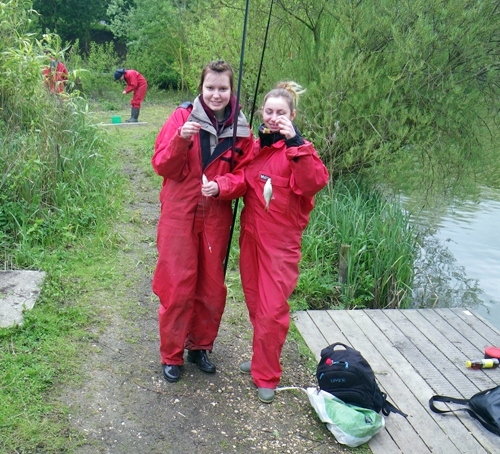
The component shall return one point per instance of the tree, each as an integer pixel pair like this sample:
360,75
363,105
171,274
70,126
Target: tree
415,79
70,19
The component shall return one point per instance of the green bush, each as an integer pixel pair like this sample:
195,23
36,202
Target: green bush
97,80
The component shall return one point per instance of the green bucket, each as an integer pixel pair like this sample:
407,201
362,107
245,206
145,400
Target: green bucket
116,119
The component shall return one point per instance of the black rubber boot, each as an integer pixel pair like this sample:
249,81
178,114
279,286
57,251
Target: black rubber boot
199,357
134,115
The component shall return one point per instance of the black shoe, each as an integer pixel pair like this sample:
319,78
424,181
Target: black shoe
199,357
171,373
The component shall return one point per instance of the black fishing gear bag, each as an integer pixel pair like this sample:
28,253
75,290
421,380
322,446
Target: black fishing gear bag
483,406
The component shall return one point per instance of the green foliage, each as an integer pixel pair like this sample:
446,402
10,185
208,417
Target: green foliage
100,63
155,36
58,185
380,255
33,358
172,41
56,176
388,82
392,78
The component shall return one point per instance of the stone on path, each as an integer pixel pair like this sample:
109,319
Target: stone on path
19,290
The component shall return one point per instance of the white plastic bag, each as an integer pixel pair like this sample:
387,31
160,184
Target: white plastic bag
351,425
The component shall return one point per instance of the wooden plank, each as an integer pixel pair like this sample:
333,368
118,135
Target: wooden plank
135,123
382,443
449,360
472,326
403,431
309,331
401,341
398,356
435,380
464,342
427,425
330,330
456,331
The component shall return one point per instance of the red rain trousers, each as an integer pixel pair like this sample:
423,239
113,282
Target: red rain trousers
193,233
136,83
270,245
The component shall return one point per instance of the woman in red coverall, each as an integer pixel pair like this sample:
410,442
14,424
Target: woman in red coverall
271,229
201,175
136,83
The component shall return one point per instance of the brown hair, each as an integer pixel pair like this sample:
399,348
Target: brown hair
289,91
217,66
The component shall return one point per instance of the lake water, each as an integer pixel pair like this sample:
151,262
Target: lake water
459,264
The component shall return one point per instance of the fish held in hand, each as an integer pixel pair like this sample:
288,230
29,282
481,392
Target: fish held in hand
268,193
204,179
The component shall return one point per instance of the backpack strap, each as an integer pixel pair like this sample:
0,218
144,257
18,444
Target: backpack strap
388,408
446,399
329,350
453,400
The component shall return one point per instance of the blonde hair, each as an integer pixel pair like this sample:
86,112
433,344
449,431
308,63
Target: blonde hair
289,90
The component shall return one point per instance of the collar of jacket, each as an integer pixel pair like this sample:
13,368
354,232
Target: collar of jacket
199,115
269,139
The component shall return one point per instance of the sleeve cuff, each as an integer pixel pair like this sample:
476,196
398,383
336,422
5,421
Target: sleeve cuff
295,141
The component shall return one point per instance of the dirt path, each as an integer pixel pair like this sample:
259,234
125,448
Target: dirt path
125,405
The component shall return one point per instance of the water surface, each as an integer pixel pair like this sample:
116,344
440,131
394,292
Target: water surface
459,264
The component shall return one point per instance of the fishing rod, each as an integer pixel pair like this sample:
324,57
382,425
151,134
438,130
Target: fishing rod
235,209
235,127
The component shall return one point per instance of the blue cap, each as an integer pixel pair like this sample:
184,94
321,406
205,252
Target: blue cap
119,73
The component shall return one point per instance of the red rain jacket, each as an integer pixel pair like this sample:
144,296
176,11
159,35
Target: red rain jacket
270,245
193,231
56,76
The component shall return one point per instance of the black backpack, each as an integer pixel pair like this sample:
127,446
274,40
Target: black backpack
483,406
348,376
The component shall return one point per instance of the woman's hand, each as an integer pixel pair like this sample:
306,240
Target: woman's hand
211,189
285,126
189,129
124,92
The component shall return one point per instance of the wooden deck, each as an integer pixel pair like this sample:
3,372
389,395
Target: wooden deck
416,353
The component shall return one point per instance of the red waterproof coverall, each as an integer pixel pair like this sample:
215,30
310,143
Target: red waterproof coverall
270,245
136,83
193,231
56,76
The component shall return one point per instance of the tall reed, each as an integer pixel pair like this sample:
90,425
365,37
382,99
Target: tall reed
381,251
55,169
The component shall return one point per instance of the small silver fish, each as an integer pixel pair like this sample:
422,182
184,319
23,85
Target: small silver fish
204,179
268,193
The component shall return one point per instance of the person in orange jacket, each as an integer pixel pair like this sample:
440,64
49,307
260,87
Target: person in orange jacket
136,83
201,173
282,179
55,74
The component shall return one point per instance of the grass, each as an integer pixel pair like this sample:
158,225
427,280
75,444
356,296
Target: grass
380,256
50,346
83,272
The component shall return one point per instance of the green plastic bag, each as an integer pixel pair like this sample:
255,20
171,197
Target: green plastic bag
351,425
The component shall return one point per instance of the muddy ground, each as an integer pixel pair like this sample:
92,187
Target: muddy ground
125,406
